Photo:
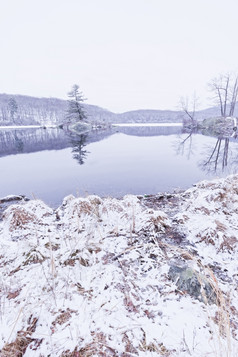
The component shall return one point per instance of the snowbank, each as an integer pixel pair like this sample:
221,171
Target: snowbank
96,276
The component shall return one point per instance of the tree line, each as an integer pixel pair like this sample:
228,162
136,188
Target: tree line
14,112
224,89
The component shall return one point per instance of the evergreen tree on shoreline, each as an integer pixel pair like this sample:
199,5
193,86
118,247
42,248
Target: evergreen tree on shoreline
75,110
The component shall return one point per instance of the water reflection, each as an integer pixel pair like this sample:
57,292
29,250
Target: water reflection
188,140
31,140
109,162
78,144
218,155
19,144
149,130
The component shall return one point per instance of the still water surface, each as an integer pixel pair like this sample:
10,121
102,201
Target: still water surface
50,164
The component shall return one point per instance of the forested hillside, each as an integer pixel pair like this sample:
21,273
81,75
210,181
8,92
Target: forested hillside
20,109
31,110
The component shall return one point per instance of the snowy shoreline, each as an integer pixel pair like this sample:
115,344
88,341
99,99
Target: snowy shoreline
28,126
129,277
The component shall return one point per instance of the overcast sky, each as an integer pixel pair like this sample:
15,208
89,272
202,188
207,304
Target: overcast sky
124,54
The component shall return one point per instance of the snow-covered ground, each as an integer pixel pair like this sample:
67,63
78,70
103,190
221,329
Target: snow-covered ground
106,277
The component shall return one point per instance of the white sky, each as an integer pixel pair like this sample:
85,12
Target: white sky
124,54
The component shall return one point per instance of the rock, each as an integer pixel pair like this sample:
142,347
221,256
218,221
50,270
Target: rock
5,202
11,198
190,281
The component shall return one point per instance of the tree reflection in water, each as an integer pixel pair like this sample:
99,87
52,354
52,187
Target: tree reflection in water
182,144
215,157
219,155
78,144
19,144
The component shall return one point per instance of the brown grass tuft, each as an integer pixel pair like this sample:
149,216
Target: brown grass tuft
18,347
20,217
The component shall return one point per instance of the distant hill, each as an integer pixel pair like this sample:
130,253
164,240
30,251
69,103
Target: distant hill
163,116
32,110
43,111
153,116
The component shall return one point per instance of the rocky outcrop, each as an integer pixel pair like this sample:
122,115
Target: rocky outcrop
218,126
192,282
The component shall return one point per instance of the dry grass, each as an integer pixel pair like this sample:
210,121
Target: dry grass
20,217
159,348
98,347
34,256
18,347
63,317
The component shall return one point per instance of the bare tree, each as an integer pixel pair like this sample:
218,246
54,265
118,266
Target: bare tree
234,93
189,107
225,90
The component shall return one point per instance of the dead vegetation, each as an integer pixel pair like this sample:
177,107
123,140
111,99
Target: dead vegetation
18,347
20,218
111,263
63,317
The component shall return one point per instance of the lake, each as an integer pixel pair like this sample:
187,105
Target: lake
50,163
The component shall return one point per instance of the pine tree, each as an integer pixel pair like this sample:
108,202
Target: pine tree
12,106
75,110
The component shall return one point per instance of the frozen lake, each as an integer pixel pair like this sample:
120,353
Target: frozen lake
50,164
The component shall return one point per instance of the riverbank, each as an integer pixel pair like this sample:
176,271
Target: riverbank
140,276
